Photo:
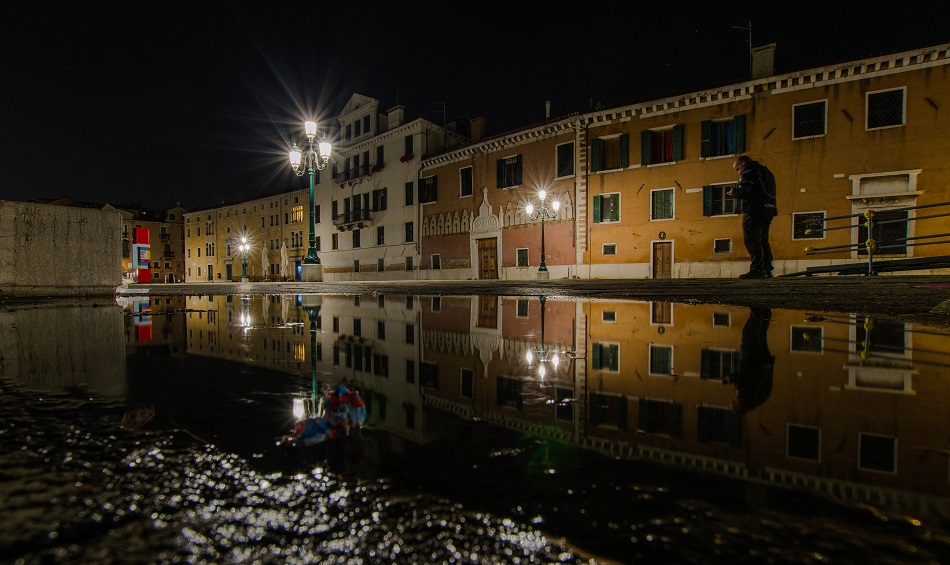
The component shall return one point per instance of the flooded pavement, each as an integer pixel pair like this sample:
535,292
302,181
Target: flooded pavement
499,429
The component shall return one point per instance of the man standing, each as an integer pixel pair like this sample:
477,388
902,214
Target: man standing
755,194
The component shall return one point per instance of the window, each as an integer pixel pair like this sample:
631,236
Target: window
381,329
806,338
366,124
610,153
565,160
522,257
885,108
379,200
408,142
316,214
722,319
808,120
380,235
356,265
877,453
429,375
428,189
380,266
410,233
380,154
803,443
410,371
410,194
465,181
722,137
661,205
722,245
661,146
660,417
716,424
356,239
607,208
335,241
467,383
610,249
336,324
522,308
436,304
605,357
357,129
716,202
357,327
409,264
808,225
509,171
716,364
349,132
608,410
661,360
889,232
436,261
410,333
609,317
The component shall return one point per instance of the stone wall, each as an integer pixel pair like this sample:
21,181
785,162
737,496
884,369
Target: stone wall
50,250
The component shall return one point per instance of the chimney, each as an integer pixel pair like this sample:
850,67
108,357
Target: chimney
395,115
478,129
763,61
547,110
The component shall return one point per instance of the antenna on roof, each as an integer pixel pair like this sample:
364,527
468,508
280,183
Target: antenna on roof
749,29
442,111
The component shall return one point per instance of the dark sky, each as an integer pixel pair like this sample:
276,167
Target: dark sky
197,102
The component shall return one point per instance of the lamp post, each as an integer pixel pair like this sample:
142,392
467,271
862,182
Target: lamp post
311,161
543,212
546,356
244,247
311,407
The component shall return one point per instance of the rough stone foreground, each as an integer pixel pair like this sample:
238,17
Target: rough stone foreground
912,299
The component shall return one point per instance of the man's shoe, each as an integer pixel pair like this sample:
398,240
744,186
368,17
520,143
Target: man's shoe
754,275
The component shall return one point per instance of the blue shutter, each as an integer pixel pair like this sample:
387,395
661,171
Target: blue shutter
705,149
645,152
739,133
624,150
678,142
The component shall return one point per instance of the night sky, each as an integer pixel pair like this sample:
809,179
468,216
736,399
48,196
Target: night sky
198,102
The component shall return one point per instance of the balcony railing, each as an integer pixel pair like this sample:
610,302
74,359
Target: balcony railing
354,219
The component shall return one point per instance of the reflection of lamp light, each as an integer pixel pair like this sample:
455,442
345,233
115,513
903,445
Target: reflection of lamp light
311,161
547,357
244,246
543,212
298,409
311,407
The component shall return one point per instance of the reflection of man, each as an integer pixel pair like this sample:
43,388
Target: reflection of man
753,379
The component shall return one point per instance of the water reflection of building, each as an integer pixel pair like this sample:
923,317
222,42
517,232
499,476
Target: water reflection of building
154,321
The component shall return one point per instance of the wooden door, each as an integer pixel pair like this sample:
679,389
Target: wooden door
488,258
663,259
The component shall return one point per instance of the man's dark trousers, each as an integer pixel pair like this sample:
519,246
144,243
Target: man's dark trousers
755,234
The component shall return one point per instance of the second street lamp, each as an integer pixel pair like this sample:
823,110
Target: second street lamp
311,161
244,247
543,212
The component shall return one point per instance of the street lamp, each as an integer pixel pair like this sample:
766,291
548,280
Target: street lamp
543,212
311,161
244,247
545,356
311,407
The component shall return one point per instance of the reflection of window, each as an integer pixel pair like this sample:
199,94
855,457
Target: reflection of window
661,204
716,202
806,338
803,443
436,303
808,225
884,336
715,424
885,108
661,312
565,160
661,360
410,333
381,329
889,228
522,257
723,245
468,383
522,308
722,319
877,453
808,120
564,407
605,357
429,375
722,137
610,153
660,417
436,261
718,364
607,208
509,392
608,409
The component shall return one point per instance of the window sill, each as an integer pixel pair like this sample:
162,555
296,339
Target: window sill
809,136
885,127
717,157
885,195
651,165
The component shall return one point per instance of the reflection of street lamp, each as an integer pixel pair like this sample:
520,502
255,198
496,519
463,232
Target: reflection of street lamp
545,356
244,247
312,162
543,212
312,407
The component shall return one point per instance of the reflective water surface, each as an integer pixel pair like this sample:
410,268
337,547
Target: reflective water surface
499,430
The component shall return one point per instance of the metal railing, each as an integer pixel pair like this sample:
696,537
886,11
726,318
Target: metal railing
866,221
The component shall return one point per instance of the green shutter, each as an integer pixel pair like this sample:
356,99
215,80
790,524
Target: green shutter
518,171
704,364
614,364
678,142
707,201
597,209
739,133
595,356
596,149
501,173
645,152
624,150
615,208
705,143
